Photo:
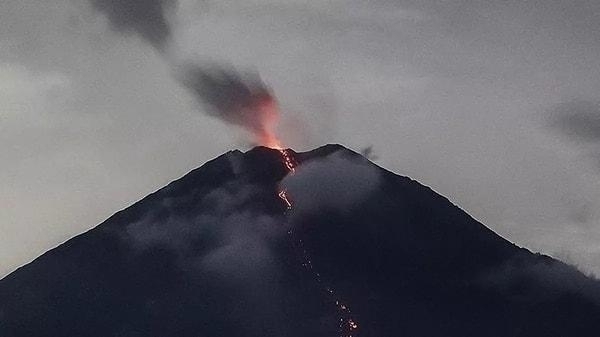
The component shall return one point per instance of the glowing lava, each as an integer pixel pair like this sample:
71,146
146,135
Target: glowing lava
283,196
266,109
347,325
265,116
289,161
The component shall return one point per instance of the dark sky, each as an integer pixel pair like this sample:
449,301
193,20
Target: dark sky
494,104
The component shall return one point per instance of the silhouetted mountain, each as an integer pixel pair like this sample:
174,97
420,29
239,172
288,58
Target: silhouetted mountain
217,253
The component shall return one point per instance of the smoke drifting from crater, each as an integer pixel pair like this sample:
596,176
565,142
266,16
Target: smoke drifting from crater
240,99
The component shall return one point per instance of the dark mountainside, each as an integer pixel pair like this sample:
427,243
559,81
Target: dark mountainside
210,255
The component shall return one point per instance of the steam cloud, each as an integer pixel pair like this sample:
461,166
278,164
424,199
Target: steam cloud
238,99
339,181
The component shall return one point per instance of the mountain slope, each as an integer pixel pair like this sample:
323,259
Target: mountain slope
216,253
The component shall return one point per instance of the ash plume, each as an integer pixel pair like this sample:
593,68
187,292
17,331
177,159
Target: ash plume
240,99
147,18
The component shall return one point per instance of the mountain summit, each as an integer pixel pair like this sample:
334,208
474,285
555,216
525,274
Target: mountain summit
349,250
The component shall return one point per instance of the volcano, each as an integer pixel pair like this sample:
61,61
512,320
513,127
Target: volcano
362,252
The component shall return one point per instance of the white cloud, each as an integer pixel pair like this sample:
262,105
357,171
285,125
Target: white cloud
338,181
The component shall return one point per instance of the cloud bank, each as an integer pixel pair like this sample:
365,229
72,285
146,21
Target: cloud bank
338,181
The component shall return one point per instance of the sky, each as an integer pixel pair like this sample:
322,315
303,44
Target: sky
493,104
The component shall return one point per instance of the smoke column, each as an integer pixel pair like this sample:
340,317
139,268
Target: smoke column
238,99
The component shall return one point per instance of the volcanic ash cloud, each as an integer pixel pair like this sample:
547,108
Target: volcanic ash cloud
240,99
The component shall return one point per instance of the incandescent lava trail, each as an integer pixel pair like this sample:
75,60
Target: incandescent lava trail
348,326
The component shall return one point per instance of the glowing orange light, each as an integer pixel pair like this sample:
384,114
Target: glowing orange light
266,108
347,325
289,162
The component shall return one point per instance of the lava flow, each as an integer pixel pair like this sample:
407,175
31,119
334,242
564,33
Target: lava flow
347,325
261,122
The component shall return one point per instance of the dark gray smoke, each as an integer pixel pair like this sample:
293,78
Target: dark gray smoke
578,119
236,98
144,17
